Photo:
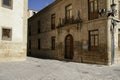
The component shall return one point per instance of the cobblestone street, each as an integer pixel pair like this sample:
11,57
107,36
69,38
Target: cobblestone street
44,69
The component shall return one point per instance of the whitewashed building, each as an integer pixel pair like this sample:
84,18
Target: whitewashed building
13,30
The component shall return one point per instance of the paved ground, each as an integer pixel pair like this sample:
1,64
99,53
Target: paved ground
40,69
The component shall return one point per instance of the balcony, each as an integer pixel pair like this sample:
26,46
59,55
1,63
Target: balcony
70,21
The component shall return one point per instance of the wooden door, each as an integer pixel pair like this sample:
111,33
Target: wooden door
69,47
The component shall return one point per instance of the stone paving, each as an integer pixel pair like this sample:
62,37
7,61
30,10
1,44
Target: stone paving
45,69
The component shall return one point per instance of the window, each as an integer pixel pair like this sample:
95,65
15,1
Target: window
7,3
6,34
53,21
29,44
29,30
93,9
39,25
53,43
93,40
39,44
68,11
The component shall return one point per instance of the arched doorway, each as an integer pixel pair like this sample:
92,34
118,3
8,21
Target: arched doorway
69,47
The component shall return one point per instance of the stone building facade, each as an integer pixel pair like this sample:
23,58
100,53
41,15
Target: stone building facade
13,30
73,30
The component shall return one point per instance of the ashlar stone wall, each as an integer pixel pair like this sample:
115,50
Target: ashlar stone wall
80,33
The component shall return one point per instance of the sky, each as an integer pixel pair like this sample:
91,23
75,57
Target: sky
38,4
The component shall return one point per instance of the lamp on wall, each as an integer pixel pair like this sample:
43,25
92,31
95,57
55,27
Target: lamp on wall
113,5
112,12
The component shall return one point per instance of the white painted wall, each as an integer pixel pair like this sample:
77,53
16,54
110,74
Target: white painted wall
16,19
13,18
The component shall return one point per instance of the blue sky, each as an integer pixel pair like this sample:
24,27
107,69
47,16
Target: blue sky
38,4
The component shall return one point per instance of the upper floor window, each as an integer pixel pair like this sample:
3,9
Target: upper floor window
29,45
53,21
39,25
68,11
53,43
39,44
93,9
7,3
29,30
93,40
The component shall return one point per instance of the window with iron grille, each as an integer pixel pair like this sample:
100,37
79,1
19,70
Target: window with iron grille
7,3
68,13
39,25
6,34
53,21
53,43
93,40
39,44
29,44
93,9
29,30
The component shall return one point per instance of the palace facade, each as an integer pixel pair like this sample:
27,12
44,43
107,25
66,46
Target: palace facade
73,30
